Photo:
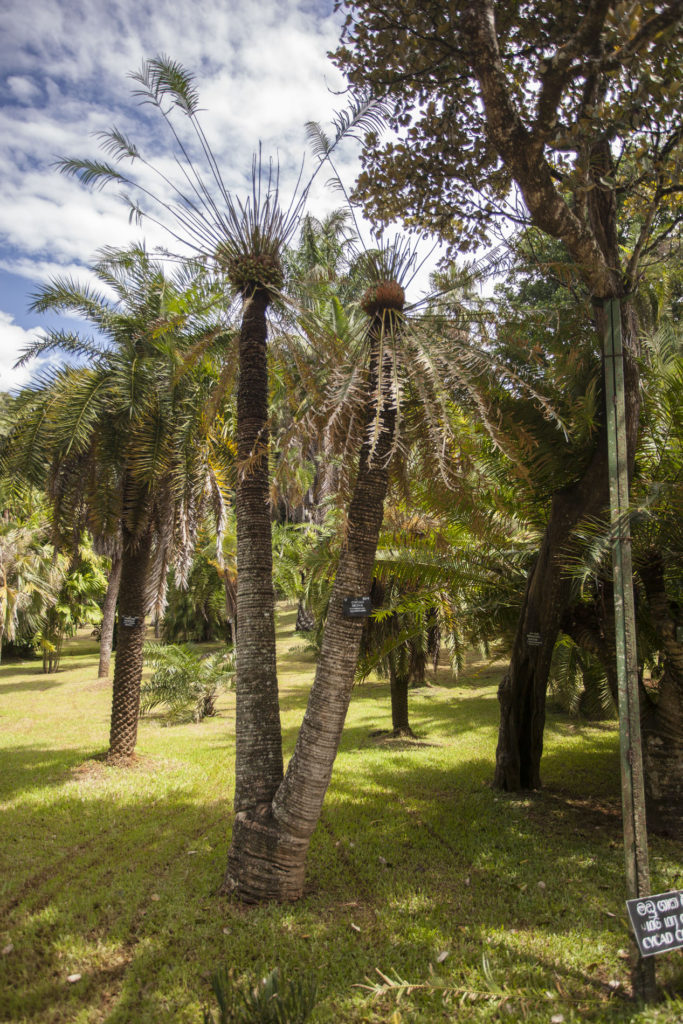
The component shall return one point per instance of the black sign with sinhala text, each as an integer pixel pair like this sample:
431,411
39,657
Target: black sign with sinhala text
356,607
657,922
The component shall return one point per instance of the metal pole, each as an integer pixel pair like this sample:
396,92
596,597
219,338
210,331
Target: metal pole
632,787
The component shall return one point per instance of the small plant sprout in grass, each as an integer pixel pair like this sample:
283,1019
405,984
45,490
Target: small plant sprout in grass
273,1001
185,681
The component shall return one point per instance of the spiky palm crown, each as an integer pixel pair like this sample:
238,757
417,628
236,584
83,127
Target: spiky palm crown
439,367
248,272
246,238
383,297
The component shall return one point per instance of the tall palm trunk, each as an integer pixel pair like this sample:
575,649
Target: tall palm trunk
258,762
662,721
135,563
522,692
398,686
267,856
109,617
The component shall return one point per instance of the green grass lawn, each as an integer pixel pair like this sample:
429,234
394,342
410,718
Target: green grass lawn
488,907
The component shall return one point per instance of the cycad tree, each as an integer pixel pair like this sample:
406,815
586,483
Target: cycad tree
276,813
124,435
246,241
389,391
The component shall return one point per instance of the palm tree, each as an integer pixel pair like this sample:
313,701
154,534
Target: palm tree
29,577
276,814
268,849
390,393
125,438
246,241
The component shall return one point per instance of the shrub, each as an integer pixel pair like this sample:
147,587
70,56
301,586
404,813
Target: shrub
273,1001
185,680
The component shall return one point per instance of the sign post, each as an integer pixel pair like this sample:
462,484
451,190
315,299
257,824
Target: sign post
356,607
657,922
632,787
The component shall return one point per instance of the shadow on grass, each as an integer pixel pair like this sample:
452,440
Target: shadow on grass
39,680
48,683
117,883
129,894
30,767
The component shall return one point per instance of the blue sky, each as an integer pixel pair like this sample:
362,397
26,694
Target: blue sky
262,72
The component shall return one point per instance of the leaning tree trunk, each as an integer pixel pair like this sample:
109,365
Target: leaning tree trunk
522,692
662,721
258,758
109,617
267,856
125,711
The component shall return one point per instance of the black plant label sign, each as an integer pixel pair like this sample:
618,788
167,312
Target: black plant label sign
356,607
130,620
657,922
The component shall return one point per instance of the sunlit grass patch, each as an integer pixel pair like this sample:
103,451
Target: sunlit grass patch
485,906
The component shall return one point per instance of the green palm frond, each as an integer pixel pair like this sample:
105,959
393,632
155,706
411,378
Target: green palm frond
184,681
91,173
128,431
365,113
60,340
64,294
163,78
117,144
578,683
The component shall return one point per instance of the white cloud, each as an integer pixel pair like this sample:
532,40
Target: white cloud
23,88
13,339
262,71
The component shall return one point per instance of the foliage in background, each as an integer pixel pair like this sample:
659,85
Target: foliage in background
197,611
82,589
30,578
578,682
185,681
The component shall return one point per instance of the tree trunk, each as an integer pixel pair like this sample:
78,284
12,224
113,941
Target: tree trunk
305,619
522,691
109,617
258,759
399,703
230,588
662,720
125,711
267,856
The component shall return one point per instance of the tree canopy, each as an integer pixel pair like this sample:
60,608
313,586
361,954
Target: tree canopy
571,108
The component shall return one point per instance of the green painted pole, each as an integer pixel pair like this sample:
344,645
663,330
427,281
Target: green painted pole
632,787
